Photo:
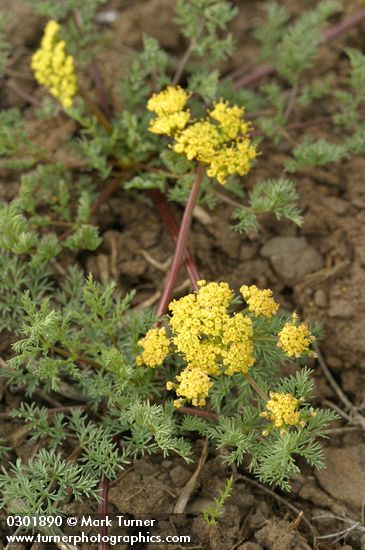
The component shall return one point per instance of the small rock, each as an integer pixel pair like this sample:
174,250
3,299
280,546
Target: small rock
338,206
292,258
199,505
259,518
143,468
180,475
278,535
344,475
340,308
320,298
334,362
247,251
249,546
360,244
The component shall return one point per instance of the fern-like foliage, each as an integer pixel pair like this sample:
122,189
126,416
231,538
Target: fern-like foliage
278,197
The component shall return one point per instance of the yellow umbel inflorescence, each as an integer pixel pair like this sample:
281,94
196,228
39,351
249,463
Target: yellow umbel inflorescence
213,341
282,410
171,100
295,339
155,348
194,385
168,106
206,335
53,67
221,140
260,302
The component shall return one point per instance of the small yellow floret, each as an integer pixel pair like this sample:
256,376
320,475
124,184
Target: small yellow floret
194,386
53,68
156,347
260,302
283,410
295,339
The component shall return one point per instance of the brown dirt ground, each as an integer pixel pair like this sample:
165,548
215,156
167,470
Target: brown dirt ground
325,283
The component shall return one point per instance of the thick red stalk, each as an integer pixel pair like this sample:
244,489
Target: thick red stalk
266,69
104,104
197,412
172,226
181,243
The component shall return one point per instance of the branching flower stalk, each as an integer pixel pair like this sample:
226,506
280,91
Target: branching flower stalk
224,147
181,243
172,226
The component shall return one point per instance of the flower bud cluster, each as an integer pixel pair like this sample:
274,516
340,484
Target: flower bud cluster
295,339
53,67
282,410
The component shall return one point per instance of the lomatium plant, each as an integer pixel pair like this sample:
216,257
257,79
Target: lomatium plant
209,363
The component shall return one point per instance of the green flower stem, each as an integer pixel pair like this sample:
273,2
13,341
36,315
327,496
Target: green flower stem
181,243
78,358
183,62
101,118
256,387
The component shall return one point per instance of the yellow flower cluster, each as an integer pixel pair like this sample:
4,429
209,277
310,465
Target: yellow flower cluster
220,140
209,339
155,348
194,385
260,302
295,339
214,342
52,66
282,410
168,106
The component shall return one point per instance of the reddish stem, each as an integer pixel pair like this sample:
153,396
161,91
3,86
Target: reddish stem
172,226
181,243
197,412
330,34
298,125
99,115
262,71
21,93
104,104
336,30
108,191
